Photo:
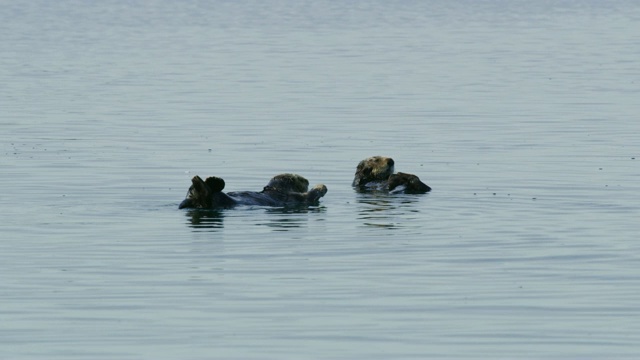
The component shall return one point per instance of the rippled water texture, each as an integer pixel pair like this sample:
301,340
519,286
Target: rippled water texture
522,117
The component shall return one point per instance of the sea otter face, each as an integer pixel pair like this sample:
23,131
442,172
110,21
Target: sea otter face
375,168
200,192
407,183
288,183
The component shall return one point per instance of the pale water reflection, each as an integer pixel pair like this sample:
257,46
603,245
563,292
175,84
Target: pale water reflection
278,218
389,211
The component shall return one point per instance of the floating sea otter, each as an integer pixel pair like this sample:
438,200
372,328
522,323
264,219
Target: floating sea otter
376,174
282,190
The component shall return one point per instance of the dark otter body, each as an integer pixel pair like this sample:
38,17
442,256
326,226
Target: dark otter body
282,190
376,174
407,183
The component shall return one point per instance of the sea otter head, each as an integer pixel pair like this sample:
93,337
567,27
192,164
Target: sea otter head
372,169
288,183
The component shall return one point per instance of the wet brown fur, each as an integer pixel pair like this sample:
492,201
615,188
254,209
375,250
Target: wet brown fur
376,174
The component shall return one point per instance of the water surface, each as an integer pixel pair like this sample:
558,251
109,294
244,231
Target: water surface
521,116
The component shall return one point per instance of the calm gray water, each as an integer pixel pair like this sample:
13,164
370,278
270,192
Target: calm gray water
522,116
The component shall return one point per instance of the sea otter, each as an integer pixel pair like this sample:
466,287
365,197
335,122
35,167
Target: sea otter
282,190
376,174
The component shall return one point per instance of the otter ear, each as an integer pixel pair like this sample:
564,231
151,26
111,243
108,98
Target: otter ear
215,184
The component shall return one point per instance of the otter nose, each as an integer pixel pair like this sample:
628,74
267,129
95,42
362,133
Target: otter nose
390,162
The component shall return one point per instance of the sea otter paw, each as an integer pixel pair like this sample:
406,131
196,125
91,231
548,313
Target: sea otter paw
215,184
316,192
